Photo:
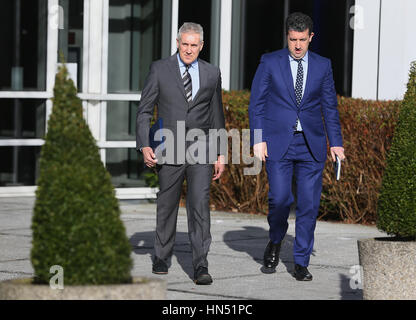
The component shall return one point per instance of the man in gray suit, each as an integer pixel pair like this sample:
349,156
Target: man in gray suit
187,92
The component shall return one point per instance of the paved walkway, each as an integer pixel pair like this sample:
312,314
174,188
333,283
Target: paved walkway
238,242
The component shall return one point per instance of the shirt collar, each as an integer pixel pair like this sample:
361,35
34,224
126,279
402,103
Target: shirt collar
304,59
182,64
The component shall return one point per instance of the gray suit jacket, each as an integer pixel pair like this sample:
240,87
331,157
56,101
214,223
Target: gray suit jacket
164,88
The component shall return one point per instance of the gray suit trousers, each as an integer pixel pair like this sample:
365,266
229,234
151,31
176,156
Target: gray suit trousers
171,178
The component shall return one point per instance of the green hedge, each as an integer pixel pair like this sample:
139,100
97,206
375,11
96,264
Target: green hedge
367,128
76,222
397,203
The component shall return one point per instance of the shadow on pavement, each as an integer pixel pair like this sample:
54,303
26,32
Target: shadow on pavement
253,241
142,244
347,291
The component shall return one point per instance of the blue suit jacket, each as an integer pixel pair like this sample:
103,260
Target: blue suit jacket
273,105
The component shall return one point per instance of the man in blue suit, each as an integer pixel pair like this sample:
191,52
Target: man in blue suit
294,104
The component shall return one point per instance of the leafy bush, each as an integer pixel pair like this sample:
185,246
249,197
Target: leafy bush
236,191
397,203
76,222
367,128
151,178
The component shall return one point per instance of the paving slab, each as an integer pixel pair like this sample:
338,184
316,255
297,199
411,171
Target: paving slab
235,257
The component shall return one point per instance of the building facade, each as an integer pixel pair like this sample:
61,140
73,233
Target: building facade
108,46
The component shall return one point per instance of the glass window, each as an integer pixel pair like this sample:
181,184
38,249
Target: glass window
121,120
126,168
22,119
202,15
134,41
71,38
23,29
19,166
258,28
333,36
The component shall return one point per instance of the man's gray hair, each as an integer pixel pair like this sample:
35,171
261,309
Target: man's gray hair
191,27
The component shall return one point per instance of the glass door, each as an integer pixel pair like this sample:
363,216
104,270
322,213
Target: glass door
23,94
108,46
136,33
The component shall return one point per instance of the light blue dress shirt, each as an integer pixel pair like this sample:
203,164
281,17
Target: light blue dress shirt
193,72
294,68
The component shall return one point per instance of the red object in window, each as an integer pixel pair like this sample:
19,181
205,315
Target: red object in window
71,37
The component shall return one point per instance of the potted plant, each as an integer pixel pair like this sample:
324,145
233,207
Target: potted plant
77,231
389,264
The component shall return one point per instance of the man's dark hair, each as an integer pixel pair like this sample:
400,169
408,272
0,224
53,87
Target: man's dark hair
299,22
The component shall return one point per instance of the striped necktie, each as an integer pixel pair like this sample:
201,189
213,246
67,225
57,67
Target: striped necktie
187,83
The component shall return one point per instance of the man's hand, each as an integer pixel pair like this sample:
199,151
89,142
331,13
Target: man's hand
219,167
149,157
337,151
260,151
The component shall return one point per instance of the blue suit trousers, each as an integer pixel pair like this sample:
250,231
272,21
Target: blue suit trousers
299,161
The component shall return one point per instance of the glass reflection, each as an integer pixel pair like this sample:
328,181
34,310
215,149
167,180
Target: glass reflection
19,166
126,168
23,30
121,120
71,38
22,119
134,41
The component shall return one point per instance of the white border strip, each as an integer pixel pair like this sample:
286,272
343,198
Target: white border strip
21,142
174,28
121,193
225,42
110,97
15,192
25,95
136,193
116,144
41,142
82,96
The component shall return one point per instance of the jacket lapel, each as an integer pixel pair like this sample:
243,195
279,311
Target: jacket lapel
309,79
287,74
174,68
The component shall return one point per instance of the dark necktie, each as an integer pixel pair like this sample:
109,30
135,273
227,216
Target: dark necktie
299,82
187,83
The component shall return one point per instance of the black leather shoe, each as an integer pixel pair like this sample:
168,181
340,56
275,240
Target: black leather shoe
159,266
302,273
202,277
271,257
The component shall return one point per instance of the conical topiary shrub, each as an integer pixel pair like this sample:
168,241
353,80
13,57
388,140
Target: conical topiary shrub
397,202
76,222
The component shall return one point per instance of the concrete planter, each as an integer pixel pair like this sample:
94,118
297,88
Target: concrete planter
389,269
139,289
